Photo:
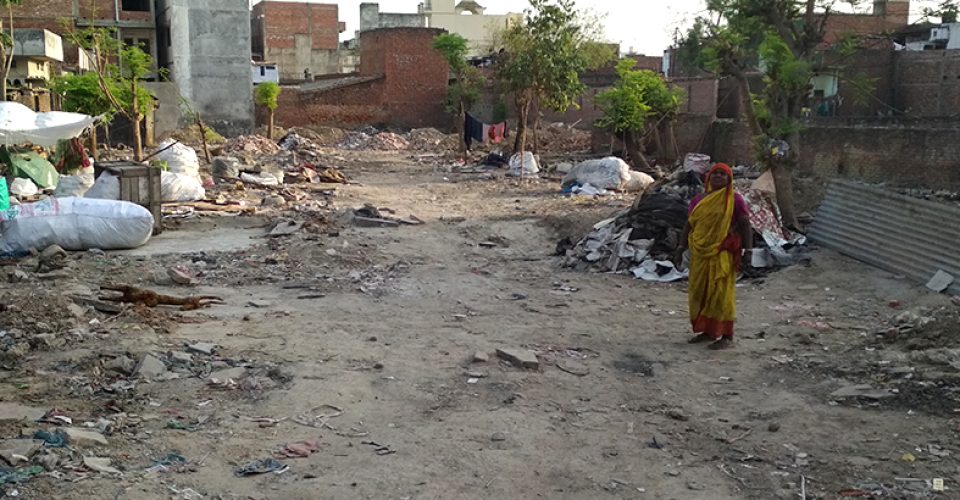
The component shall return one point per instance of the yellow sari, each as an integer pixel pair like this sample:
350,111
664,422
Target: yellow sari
713,263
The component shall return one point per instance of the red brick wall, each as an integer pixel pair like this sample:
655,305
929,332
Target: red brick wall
701,95
346,107
416,75
896,15
411,93
104,9
283,20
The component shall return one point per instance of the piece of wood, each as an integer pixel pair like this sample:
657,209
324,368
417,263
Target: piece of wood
149,298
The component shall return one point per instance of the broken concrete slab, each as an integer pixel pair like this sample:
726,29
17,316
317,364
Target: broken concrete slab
120,364
480,357
202,348
861,391
229,374
373,222
940,281
10,412
521,358
184,358
151,367
99,464
85,438
179,276
18,451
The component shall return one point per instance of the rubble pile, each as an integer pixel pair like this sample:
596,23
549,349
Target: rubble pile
256,144
431,139
191,135
388,141
560,138
642,239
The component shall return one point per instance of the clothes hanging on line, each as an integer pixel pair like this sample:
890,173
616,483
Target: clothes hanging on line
475,130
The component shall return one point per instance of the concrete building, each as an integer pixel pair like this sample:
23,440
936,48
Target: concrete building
264,72
469,20
207,52
371,18
134,21
35,52
303,39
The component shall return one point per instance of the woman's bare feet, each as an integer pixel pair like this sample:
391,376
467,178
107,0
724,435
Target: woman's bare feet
723,343
703,337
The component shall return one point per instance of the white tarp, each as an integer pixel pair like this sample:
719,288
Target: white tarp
20,124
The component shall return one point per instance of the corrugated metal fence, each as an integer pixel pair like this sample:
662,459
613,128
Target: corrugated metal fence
891,231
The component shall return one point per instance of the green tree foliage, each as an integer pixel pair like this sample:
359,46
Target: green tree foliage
637,104
544,57
464,93
947,10
781,40
81,94
120,72
267,94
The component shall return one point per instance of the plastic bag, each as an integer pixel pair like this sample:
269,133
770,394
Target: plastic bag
180,158
604,173
695,162
4,194
75,224
173,187
638,182
181,187
74,186
529,165
21,187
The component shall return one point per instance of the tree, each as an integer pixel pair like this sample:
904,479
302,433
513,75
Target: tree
266,95
946,10
636,106
7,44
465,92
120,70
81,94
779,39
544,56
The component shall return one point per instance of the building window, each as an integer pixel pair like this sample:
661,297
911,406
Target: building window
263,71
136,5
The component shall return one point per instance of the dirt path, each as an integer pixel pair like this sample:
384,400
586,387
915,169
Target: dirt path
402,312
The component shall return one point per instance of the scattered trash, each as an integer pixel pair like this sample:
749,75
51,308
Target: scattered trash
98,464
908,457
312,419
655,445
940,281
263,466
380,449
300,449
56,439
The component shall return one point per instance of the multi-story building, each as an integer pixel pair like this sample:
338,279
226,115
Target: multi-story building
302,39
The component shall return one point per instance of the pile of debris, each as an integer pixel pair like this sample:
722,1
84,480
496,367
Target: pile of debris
561,138
431,139
256,144
642,239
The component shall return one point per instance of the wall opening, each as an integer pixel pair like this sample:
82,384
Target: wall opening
136,5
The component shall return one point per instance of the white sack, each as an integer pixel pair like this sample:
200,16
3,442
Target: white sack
530,166
75,224
181,159
604,173
21,187
73,186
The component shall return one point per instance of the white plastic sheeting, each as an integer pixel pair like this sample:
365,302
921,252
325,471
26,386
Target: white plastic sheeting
75,224
20,124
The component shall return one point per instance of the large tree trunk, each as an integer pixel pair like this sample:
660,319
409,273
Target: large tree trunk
634,145
746,99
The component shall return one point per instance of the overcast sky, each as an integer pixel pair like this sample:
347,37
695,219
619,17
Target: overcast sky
647,26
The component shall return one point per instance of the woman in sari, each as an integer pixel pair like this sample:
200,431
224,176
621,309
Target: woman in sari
718,233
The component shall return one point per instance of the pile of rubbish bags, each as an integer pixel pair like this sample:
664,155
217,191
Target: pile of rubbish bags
597,177
642,239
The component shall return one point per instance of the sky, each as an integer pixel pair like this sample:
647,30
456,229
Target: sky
645,26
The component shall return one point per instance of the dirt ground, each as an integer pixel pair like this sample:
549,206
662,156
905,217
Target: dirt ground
376,329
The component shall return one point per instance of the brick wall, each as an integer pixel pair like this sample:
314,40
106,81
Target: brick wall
701,95
282,21
928,83
104,9
410,91
892,15
919,157
416,75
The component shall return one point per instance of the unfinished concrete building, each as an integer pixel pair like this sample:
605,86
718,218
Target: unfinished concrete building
207,52
302,39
